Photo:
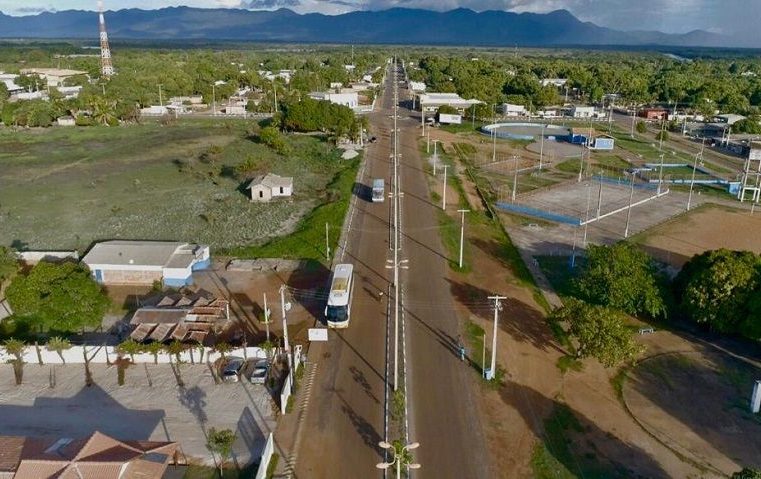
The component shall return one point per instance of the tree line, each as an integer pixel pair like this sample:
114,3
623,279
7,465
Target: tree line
718,290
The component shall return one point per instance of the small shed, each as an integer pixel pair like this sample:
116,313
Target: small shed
66,121
269,186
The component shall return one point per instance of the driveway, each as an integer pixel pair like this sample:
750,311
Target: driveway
54,401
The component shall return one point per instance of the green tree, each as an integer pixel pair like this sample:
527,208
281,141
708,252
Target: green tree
220,442
58,296
222,348
748,125
599,332
271,137
622,277
130,347
747,473
720,288
641,127
175,348
8,264
58,345
154,348
662,135
16,348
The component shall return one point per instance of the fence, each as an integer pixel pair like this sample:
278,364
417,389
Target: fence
269,449
105,354
537,213
285,394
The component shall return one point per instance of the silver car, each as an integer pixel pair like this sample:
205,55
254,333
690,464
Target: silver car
258,371
232,368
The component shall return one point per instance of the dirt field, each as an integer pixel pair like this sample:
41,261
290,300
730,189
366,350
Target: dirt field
707,228
65,188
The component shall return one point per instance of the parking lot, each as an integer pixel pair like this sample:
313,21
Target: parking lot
55,401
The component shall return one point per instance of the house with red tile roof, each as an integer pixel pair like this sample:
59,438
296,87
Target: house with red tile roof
96,457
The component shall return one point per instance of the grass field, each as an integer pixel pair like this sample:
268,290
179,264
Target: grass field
65,188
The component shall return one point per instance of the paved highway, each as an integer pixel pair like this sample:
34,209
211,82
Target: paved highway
345,419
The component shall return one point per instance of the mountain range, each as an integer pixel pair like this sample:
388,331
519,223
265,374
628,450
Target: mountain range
393,26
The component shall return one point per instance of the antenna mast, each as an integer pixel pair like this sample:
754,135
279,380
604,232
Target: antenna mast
106,67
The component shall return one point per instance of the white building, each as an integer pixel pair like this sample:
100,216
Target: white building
154,110
32,95
9,80
350,99
264,188
66,121
583,111
729,118
235,110
54,76
558,82
70,92
143,262
430,102
509,109
336,85
417,86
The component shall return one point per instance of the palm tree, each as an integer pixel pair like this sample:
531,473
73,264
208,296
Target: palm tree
175,348
59,345
154,348
222,348
103,111
131,347
16,348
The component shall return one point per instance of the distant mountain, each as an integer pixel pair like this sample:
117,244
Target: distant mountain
394,26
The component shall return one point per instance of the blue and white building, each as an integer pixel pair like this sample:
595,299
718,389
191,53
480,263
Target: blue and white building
121,262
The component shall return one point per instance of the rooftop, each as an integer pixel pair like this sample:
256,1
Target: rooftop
167,254
271,180
58,72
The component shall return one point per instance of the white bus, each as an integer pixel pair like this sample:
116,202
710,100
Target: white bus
378,191
338,310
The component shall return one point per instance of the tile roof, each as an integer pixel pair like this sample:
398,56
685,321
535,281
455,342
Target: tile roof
271,180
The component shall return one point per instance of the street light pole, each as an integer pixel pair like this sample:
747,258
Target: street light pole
444,194
541,149
497,307
286,344
398,457
327,241
515,176
266,317
462,232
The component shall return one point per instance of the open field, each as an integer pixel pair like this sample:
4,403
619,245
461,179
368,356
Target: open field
706,228
65,188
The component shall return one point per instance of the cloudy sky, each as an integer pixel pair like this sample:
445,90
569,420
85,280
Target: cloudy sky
731,17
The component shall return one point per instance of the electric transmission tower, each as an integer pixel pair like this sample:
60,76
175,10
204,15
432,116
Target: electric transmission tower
106,67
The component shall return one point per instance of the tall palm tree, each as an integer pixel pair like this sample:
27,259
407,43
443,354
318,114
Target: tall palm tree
59,345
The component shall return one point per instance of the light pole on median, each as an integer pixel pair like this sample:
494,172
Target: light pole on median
694,168
400,457
462,232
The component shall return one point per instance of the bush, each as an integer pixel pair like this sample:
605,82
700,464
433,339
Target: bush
641,127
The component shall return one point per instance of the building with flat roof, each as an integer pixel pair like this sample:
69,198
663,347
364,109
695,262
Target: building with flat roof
430,102
350,99
143,262
54,76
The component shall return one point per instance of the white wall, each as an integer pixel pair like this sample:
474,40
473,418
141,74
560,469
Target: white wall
99,354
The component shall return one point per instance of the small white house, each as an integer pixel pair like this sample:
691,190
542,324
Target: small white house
66,121
582,111
265,188
346,99
509,109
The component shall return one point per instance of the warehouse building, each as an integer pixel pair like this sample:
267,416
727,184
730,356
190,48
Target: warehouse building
144,262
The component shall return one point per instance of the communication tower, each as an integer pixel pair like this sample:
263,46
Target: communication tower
106,67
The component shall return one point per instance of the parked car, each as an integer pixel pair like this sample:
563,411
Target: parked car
232,368
258,371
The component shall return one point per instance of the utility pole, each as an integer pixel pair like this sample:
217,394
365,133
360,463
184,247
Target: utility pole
660,139
599,199
581,166
494,144
515,176
266,317
541,149
161,102
497,308
629,210
694,168
286,344
586,218
327,241
660,176
274,90
435,155
444,194
462,232
634,116
428,141
214,98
